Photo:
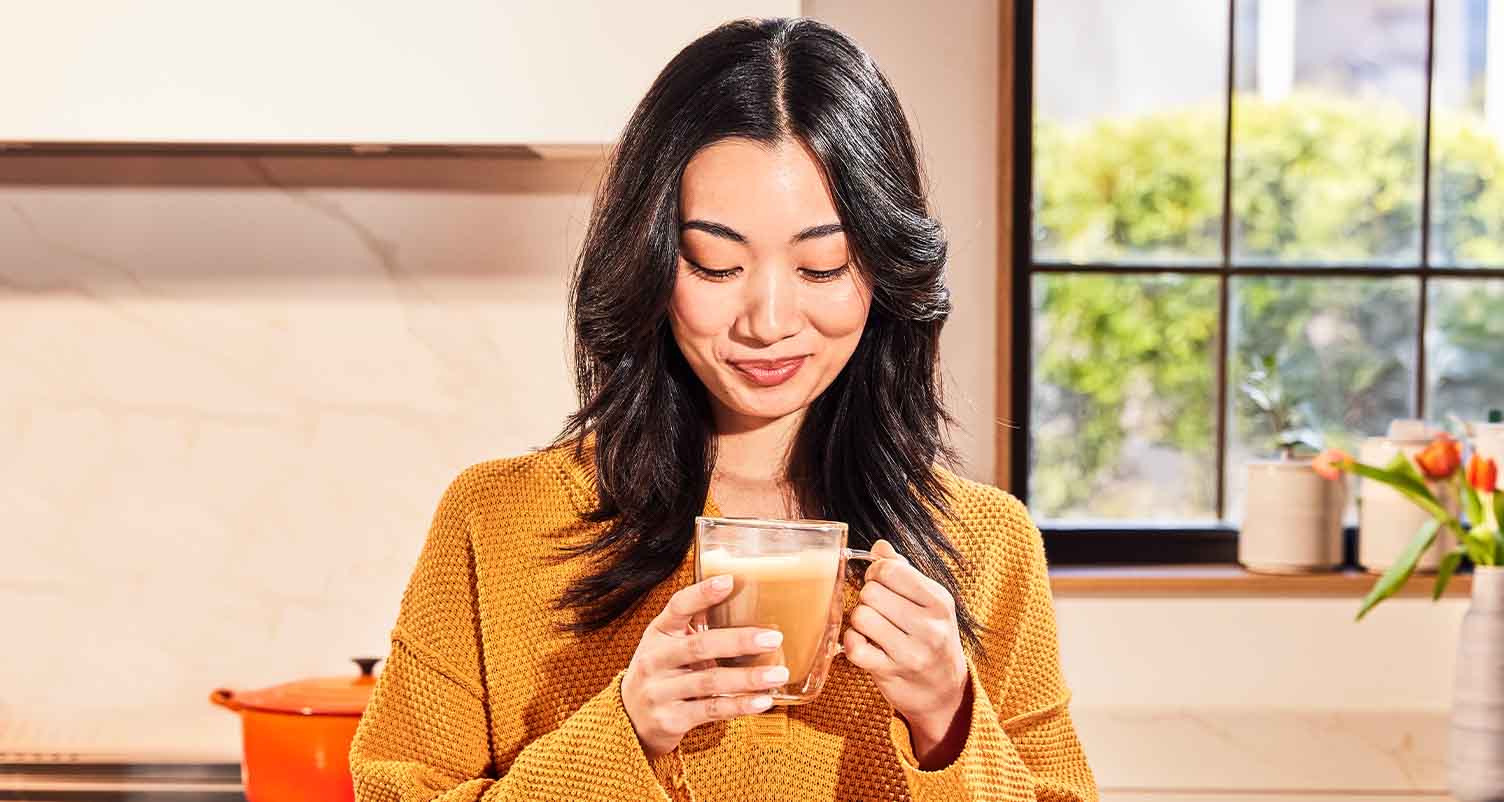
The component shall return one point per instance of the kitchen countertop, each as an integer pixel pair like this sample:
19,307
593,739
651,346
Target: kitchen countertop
48,778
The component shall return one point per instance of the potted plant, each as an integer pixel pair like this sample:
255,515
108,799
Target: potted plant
1292,520
1475,763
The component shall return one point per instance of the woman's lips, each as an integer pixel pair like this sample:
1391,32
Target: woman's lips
769,372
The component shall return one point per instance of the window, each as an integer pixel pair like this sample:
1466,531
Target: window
1211,185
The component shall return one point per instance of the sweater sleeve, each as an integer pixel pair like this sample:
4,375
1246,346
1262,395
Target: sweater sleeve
1021,745
426,734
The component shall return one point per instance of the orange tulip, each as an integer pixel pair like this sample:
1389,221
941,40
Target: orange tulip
1441,458
1483,474
1330,463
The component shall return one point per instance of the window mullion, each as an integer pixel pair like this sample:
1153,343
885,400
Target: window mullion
1425,217
1224,277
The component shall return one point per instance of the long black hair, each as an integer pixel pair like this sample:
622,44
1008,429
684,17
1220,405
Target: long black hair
866,450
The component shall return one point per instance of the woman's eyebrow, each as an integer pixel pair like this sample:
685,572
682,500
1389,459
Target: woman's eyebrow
727,232
713,229
814,232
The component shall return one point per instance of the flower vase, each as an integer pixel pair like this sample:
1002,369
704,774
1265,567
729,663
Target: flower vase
1475,754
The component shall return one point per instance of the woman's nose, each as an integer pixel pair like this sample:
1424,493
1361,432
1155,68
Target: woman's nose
772,310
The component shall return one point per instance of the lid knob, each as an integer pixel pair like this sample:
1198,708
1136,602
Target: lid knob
367,665
1409,429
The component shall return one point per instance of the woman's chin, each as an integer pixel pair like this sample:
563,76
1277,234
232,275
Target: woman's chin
768,403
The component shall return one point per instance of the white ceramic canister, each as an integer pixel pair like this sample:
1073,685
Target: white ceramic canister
1387,521
1488,438
1292,519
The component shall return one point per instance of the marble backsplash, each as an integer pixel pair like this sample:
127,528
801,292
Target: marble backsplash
232,390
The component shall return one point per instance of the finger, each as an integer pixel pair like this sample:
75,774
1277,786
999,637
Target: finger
861,653
686,602
713,644
718,708
877,629
724,682
908,582
900,611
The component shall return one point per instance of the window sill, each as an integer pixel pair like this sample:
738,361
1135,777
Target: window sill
1084,581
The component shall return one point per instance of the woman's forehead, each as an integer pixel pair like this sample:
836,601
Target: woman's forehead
764,192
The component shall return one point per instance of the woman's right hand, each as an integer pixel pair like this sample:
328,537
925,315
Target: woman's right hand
673,683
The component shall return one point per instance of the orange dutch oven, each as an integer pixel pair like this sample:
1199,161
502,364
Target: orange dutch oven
297,735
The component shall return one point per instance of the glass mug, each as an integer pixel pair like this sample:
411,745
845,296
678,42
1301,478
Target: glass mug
786,575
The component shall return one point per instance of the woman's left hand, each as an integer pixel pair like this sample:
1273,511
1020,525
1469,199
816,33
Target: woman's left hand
903,633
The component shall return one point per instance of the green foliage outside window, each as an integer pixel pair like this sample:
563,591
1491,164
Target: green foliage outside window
1316,180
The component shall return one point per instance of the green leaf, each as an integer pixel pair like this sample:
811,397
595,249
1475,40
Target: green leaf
1444,574
1258,397
1479,544
1407,482
1405,466
1399,573
1471,505
1499,507
1484,546
1310,438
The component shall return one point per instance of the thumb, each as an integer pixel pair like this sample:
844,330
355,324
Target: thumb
884,550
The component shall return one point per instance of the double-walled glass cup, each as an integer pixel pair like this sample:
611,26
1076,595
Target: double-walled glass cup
786,576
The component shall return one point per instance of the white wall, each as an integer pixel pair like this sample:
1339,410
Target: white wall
1259,653
1262,694
942,59
462,72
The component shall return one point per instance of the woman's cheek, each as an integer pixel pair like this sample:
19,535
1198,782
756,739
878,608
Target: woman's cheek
840,310
700,312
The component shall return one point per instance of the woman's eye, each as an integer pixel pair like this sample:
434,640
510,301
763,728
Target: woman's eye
824,275
709,272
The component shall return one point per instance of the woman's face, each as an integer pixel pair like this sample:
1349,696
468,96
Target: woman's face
768,306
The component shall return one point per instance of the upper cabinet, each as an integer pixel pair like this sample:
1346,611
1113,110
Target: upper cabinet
334,72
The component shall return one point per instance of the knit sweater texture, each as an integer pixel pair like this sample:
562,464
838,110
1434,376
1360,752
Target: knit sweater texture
484,697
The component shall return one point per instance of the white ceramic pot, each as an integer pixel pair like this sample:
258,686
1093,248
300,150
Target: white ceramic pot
1292,519
1475,749
1489,440
1387,521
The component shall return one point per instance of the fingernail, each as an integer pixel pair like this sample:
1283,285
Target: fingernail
777,675
721,582
760,703
769,638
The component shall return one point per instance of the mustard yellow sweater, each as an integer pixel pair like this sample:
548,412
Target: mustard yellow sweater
483,697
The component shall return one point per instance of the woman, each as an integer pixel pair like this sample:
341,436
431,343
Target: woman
757,313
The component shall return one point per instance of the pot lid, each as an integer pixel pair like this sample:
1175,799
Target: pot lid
1409,430
319,696
1297,463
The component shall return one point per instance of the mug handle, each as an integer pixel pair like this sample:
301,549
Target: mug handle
854,554
859,554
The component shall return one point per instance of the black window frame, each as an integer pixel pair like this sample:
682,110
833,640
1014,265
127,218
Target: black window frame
1134,542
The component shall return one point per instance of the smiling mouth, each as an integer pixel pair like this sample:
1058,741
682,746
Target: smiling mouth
769,372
